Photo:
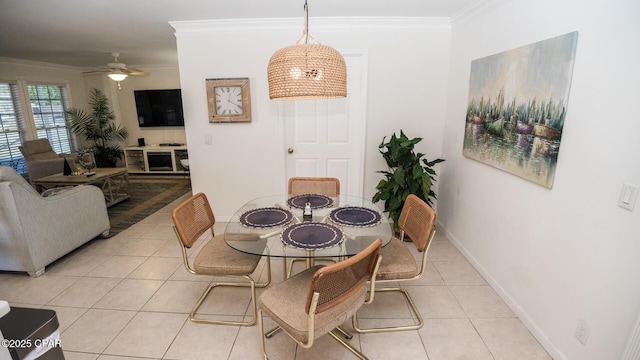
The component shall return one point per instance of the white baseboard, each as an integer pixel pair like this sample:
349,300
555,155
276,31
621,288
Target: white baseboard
515,307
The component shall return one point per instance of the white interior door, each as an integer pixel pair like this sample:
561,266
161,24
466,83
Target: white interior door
327,137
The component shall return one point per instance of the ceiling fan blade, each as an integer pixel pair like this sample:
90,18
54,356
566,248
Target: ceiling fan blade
93,72
136,72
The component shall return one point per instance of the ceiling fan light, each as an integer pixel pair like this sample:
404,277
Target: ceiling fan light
117,76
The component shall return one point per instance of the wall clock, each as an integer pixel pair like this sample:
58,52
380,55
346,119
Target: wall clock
229,100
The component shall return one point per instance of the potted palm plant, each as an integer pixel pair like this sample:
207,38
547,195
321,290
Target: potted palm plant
98,127
408,173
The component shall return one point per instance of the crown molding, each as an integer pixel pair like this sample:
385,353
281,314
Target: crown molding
59,67
369,24
37,64
475,10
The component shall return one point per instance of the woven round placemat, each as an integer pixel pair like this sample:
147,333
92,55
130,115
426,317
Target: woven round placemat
266,217
316,201
312,236
355,216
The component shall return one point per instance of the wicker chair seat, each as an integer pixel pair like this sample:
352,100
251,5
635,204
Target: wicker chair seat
397,262
288,311
217,258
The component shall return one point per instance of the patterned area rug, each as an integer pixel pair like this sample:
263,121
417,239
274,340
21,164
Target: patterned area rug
148,195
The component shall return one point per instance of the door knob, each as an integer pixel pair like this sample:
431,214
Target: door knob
290,150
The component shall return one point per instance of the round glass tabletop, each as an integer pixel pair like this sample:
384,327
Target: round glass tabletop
344,228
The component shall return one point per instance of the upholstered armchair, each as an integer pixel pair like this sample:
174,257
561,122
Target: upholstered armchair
35,230
41,160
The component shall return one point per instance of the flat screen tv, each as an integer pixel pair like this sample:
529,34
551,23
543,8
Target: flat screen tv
159,107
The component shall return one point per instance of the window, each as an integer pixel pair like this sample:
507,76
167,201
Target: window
48,104
10,128
46,120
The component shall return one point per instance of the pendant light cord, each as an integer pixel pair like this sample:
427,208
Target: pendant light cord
306,21
305,33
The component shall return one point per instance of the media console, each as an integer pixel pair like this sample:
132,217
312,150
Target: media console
155,159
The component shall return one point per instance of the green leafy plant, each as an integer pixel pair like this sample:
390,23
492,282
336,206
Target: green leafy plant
408,173
98,127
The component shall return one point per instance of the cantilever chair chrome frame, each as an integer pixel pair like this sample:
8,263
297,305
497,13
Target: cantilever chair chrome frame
191,220
417,220
316,301
327,186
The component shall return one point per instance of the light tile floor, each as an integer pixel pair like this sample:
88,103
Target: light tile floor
129,297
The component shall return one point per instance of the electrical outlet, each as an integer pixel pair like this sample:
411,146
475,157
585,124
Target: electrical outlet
582,332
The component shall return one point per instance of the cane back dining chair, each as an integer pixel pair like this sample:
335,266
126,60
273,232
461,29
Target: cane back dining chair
327,186
417,220
316,301
192,219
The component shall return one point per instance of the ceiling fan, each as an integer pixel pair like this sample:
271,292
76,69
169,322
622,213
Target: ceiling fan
118,71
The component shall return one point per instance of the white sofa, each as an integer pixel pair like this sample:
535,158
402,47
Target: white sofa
35,231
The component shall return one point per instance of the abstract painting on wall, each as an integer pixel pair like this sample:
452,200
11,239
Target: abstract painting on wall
517,107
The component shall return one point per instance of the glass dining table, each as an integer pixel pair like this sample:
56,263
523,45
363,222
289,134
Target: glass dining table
277,226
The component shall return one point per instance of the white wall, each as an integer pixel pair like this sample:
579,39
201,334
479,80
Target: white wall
408,62
567,253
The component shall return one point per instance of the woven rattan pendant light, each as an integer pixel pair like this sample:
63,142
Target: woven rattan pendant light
307,71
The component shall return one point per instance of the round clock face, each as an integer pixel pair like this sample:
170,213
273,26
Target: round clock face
228,100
